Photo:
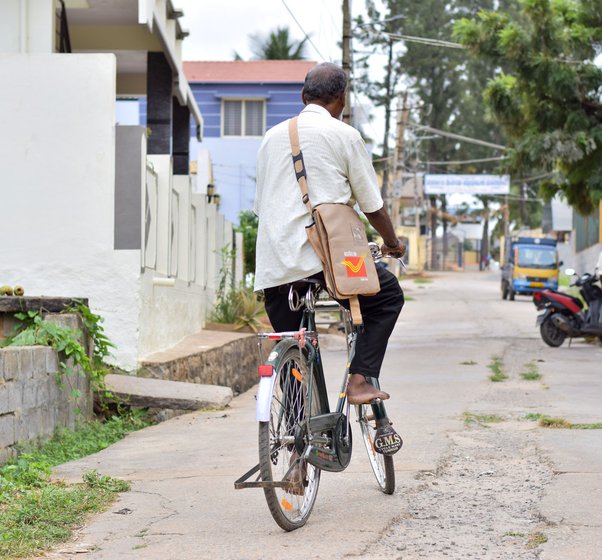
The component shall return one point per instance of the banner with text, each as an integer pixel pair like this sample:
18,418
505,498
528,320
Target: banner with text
466,184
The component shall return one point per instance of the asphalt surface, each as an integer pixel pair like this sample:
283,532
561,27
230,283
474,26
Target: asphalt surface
467,487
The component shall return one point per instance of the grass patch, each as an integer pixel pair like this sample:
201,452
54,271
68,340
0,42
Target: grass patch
531,373
468,363
513,534
422,281
536,539
37,513
592,426
552,422
471,418
497,369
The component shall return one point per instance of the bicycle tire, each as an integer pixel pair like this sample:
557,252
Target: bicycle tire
382,465
288,407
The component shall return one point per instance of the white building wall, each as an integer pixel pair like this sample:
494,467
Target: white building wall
57,156
27,26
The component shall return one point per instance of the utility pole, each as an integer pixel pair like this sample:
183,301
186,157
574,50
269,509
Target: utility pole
347,58
389,97
403,113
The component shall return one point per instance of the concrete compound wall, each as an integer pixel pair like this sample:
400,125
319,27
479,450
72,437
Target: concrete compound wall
57,155
32,403
585,261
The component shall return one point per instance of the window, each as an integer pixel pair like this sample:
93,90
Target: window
243,117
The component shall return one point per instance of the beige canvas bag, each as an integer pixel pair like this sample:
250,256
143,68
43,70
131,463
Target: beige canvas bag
338,237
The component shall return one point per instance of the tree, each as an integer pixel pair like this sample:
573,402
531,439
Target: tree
248,224
277,45
546,91
444,84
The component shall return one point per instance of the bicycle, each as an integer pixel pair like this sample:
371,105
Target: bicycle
298,434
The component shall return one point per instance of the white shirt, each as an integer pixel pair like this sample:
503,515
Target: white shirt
338,169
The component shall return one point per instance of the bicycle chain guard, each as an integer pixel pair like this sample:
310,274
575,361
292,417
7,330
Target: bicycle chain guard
333,427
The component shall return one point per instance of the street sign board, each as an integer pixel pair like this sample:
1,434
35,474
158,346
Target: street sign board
466,184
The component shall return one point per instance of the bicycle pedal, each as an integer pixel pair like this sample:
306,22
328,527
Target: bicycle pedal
387,441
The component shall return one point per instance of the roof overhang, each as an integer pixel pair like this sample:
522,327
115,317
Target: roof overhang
130,29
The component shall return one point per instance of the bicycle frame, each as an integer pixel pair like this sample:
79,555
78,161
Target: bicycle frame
306,339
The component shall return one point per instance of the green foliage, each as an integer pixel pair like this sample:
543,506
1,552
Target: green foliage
103,482
554,422
531,373
34,330
235,305
497,369
277,45
470,418
536,539
548,99
248,225
37,513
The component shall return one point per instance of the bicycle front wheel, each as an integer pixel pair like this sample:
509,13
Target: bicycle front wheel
292,403
382,465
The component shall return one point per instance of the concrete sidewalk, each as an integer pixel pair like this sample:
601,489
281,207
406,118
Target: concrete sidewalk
183,503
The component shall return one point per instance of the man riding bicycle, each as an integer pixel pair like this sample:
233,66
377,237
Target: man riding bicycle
339,170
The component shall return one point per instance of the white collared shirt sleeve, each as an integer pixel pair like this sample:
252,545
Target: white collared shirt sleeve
362,178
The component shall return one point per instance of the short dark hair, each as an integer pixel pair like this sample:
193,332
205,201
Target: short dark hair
324,82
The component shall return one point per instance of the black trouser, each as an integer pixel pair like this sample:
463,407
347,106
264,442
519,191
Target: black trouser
379,313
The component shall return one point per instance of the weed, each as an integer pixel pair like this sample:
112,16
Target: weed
468,363
592,426
551,422
497,372
513,534
37,512
234,305
68,343
532,373
533,416
535,539
471,418
95,480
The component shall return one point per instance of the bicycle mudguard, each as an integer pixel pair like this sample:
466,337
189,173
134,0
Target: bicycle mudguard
267,378
387,441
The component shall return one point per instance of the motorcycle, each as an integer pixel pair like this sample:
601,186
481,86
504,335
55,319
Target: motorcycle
565,315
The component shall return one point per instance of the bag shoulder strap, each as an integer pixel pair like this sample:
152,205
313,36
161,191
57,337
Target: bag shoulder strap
299,164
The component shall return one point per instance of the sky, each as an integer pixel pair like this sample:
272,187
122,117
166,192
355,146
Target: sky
218,28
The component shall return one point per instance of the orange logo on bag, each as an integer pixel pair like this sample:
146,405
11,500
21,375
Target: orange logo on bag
355,267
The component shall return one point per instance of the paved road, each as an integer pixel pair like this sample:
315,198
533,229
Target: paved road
478,490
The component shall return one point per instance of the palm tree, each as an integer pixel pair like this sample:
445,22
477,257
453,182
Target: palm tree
277,45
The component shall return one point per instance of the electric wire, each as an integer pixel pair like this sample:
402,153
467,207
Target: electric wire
303,31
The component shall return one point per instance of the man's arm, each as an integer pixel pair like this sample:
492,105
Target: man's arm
381,222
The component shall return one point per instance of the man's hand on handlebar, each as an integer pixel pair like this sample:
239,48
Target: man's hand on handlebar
397,251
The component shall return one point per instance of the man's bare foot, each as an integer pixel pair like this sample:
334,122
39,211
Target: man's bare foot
359,391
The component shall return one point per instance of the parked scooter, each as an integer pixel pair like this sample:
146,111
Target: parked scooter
564,315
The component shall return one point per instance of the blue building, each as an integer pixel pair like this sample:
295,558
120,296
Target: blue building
240,101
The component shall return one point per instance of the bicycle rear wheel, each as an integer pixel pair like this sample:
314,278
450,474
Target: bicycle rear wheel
291,404
382,465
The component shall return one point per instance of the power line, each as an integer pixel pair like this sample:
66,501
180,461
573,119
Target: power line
456,136
303,31
481,160
425,41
